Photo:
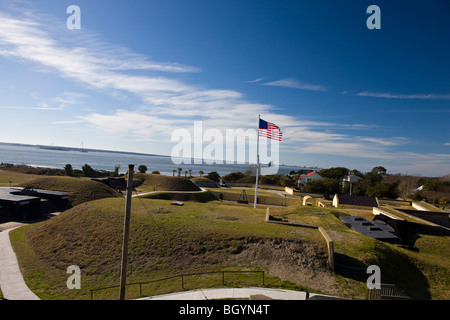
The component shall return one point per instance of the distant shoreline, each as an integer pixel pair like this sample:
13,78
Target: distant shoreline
60,148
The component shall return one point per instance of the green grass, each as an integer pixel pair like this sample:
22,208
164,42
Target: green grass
157,182
80,190
165,240
15,178
168,240
261,192
428,206
203,179
197,197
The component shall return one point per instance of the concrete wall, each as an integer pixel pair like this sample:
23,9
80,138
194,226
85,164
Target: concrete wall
335,201
308,199
377,211
289,190
419,207
423,206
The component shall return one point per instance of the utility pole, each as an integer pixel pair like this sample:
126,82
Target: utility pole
257,164
126,233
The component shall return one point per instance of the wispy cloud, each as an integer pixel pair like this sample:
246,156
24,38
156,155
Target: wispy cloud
255,81
294,84
383,142
58,103
69,98
67,122
428,96
417,110
42,106
165,102
97,66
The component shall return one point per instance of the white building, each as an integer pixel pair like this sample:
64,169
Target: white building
350,178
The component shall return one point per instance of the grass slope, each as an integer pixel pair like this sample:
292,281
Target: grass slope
167,240
80,190
197,197
157,182
14,178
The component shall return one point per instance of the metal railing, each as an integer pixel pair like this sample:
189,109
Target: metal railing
182,276
387,292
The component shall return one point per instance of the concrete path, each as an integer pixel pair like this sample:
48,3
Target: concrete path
11,280
152,192
235,293
277,192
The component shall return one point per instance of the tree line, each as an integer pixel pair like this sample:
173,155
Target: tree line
375,183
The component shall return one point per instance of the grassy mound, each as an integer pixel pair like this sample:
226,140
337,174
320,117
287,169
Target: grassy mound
204,182
164,240
157,182
167,240
80,190
197,197
14,178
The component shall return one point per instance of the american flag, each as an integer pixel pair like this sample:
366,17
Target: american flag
269,130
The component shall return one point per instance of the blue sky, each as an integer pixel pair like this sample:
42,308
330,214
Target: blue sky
136,71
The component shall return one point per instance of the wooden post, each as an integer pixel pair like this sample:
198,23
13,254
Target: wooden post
330,246
126,233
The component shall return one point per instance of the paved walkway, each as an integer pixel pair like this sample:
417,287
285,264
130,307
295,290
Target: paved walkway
233,293
11,280
137,194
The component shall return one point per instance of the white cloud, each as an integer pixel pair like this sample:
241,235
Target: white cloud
255,81
40,106
167,103
69,98
382,142
67,122
292,83
96,66
428,96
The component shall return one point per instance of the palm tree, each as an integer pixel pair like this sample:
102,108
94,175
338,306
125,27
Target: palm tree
200,173
190,172
179,171
185,173
174,172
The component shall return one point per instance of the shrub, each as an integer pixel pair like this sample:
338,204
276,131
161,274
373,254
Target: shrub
214,176
142,168
68,170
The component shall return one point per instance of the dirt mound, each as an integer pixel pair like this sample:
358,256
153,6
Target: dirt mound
294,260
159,182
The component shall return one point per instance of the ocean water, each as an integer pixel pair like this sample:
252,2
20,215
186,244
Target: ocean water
101,160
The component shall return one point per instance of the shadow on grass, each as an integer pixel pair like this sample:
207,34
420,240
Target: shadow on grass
349,267
395,268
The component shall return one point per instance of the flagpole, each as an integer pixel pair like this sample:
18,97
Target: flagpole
257,163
